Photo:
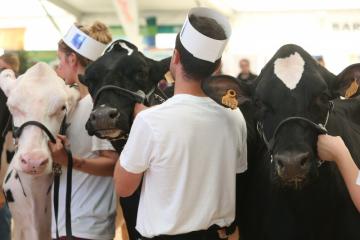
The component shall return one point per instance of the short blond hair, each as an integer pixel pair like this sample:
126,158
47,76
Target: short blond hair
98,31
12,60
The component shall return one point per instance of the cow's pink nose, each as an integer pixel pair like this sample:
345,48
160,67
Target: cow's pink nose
34,162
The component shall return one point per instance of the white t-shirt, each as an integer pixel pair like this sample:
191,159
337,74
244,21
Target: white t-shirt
358,179
93,200
190,149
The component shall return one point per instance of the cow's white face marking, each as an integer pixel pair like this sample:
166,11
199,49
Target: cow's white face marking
123,45
290,69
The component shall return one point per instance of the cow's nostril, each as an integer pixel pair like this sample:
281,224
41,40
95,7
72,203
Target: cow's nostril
23,161
303,162
304,159
92,117
113,114
44,162
280,164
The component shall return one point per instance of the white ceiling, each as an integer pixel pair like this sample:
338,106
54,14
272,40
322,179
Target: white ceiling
104,9
166,11
91,6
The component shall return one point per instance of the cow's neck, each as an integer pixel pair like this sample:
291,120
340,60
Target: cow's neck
31,209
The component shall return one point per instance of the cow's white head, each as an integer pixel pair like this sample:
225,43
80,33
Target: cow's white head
37,95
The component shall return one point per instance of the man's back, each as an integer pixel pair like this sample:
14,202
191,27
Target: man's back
191,148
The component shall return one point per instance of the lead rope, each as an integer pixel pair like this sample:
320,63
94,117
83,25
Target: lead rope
57,172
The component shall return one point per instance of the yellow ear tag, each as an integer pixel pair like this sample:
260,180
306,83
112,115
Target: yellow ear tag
169,78
352,89
229,99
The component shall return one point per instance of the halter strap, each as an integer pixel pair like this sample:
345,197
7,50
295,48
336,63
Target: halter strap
139,96
320,128
18,130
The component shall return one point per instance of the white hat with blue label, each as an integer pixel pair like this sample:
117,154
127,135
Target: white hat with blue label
83,44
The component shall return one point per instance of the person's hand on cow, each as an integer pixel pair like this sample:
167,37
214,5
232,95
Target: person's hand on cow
58,151
331,148
334,148
138,108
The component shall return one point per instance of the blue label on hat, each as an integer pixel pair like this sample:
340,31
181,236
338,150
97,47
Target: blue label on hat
78,40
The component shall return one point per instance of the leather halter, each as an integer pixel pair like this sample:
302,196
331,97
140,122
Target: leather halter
57,172
320,128
138,96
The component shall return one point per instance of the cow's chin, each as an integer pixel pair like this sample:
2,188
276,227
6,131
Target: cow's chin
284,181
296,183
110,134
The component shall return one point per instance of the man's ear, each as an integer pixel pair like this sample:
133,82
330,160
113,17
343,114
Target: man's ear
176,57
7,81
226,90
348,81
158,69
72,59
73,96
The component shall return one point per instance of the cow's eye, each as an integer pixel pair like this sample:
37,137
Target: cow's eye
63,108
15,111
324,98
141,76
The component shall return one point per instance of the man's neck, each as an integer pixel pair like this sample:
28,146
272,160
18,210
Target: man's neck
184,85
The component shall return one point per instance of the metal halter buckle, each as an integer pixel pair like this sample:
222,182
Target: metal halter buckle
57,169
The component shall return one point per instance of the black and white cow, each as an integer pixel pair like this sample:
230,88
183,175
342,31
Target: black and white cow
116,81
287,193
4,117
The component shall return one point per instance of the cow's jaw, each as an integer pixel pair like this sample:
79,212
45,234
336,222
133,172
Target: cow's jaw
295,183
110,134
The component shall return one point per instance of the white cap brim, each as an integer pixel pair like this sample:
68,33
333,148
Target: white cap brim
201,46
83,44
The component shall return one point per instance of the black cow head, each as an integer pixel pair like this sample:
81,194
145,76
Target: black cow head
293,96
132,74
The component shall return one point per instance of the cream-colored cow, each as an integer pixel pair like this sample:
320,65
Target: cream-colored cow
38,95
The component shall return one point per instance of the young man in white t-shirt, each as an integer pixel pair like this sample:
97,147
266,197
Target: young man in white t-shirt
189,149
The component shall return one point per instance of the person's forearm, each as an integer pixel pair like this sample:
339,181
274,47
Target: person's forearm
100,166
350,172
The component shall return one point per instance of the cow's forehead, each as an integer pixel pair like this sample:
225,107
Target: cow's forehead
45,92
291,75
289,69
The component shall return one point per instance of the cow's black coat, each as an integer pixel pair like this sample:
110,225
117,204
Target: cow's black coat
267,208
133,72
4,118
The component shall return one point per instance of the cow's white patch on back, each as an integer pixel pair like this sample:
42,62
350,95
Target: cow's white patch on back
123,45
290,69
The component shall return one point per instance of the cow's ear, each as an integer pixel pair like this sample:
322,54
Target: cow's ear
73,96
7,81
226,90
348,81
122,45
158,69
